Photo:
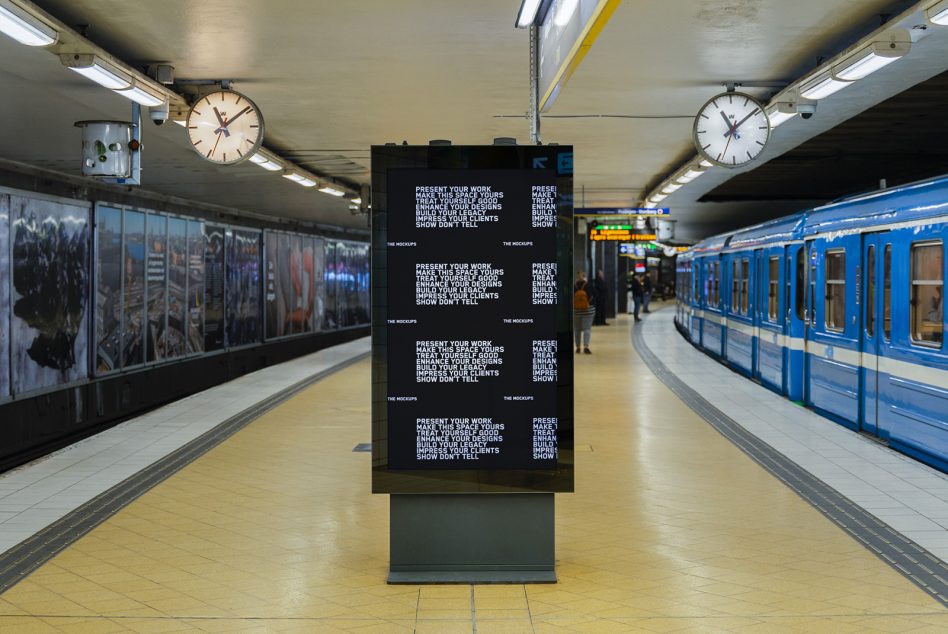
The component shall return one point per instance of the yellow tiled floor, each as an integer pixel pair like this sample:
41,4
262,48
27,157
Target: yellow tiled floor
671,529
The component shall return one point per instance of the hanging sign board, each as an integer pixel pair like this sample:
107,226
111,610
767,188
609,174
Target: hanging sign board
618,233
623,211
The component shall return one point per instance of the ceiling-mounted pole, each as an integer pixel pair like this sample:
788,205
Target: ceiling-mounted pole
535,84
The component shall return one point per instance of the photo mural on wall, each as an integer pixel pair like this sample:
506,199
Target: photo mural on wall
213,288
50,263
108,297
4,296
243,287
133,283
290,285
195,304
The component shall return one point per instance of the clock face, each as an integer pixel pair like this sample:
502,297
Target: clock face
731,129
225,127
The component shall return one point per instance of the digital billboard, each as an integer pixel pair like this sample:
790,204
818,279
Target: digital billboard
472,350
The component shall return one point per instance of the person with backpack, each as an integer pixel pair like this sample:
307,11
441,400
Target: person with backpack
584,310
636,290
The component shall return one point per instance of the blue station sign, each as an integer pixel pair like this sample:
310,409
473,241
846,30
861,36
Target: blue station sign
622,211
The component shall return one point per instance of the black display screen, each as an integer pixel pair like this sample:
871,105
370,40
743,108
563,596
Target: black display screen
476,355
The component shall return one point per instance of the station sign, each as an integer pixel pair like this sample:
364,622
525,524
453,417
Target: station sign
472,300
623,211
619,233
632,250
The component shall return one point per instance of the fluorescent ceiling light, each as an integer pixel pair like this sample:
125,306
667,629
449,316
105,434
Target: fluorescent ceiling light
705,163
938,13
657,198
874,56
670,188
105,74
299,178
332,191
822,85
23,27
181,122
778,114
564,12
142,94
528,13
355,201
265,161
689,175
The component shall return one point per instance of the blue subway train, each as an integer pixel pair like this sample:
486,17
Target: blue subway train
839,307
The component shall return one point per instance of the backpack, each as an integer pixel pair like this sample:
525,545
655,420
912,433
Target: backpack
581,299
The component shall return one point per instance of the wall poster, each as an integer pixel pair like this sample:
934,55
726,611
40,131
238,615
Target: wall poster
213,288
4,296
243,287
175,340
319,278
329,320
156,282
133,285
195,305
50,263
472,350
108,294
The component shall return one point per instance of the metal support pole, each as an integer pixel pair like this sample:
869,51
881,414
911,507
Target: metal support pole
535,85
136,136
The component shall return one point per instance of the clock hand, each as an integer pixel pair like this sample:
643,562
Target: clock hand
223,126
742,121
215,144
234,118
730,126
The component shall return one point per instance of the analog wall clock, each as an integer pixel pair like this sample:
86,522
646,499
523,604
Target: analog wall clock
731,129
225,127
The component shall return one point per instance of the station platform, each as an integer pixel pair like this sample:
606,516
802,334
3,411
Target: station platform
703,503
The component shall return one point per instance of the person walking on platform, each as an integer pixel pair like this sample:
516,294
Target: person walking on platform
600,292
635,289
583,312
646,292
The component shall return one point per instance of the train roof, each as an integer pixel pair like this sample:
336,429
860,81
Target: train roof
918,201
773,231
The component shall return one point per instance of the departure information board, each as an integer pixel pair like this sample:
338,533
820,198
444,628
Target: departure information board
471,314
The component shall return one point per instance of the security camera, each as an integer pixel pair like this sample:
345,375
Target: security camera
159,114
806,108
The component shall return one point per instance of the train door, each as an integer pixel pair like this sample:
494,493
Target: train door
832,346
795,322
872,330
760,304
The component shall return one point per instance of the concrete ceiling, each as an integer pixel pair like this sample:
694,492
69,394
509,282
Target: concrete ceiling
333,78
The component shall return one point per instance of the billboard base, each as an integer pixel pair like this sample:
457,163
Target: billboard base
472,538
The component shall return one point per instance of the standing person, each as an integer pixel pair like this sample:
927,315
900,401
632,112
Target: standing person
583,312
600,292
635,287
646,292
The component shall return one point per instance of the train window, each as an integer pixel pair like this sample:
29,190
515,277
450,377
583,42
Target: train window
773,289
835,309
870,293
800,299
928,268
736,287
717,284
887,292
745,275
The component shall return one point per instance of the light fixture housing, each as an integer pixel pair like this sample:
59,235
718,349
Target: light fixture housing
265,160
332,191
896,43
24,27
527,15
143,93
671,188
657,198
298,178
938,13
781,112
705,163
822,85
93,67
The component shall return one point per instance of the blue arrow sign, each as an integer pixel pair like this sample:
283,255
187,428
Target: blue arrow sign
539,162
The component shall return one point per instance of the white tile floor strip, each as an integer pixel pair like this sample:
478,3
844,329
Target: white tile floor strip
41,492
906,494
